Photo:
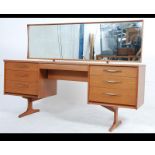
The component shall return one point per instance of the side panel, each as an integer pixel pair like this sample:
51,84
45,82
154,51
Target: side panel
46,87
141,86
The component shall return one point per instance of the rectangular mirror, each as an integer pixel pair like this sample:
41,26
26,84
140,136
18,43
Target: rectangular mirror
86,41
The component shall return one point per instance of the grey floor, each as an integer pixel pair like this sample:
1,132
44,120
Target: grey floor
68,112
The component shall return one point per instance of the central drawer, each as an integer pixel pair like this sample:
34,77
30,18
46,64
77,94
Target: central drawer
113,96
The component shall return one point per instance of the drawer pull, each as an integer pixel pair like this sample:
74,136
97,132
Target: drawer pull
110,81
112,70
22,66
111,94
22,85
21,75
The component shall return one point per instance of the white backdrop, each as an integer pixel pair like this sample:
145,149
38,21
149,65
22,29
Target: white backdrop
13,45
84,147
77,147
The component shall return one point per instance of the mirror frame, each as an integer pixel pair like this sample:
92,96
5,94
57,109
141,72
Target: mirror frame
98,22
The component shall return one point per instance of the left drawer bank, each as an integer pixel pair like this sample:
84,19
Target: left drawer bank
26,79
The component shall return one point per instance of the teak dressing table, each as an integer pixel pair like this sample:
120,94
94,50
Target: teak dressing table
112,85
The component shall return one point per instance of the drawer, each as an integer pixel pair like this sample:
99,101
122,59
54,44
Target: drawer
16,75
114,71
20,87
112,96
21,66
113,82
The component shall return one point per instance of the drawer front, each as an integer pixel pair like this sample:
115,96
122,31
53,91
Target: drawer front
21,87
112,96
114,71
21,66
16,75
113,82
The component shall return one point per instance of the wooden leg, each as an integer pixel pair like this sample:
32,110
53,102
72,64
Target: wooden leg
116,121
30,109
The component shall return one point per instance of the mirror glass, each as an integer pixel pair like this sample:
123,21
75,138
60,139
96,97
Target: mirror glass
88,41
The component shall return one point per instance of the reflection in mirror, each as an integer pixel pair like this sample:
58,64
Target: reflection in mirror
121,41
90,41
54,41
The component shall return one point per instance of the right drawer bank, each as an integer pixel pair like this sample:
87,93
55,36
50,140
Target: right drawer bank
117,85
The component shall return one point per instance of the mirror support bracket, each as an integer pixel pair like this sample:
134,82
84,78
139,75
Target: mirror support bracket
107,61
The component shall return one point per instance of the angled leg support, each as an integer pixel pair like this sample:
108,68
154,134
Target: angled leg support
116,121
30,109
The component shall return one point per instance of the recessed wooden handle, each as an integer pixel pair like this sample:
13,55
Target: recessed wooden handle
112,81
19,85
111,94
22,75
22,66
112,70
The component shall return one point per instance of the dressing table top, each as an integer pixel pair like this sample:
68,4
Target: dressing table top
79,62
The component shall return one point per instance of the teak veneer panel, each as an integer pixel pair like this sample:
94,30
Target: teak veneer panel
21,87
20,75
24,66
68,75
46,87
70,67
